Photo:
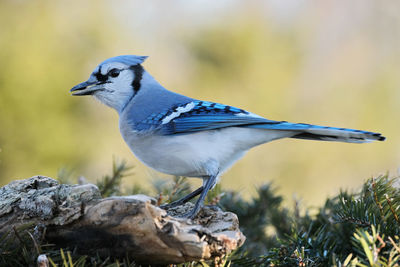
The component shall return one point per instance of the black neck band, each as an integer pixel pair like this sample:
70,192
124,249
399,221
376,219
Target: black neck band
138,71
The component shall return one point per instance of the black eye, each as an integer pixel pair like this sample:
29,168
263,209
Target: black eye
114,73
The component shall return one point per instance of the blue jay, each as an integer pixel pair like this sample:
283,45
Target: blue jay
179,135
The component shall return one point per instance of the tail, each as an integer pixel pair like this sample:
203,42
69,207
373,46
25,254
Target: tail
323,133
339,135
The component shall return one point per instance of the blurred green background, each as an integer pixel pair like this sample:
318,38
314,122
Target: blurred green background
328,62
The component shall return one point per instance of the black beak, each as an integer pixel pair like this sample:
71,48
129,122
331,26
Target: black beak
87,88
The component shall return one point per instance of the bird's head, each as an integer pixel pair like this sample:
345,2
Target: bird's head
115,81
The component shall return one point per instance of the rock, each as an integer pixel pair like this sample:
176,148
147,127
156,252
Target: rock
76,216
42,261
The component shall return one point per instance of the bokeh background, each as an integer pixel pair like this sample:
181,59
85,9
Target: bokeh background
327,62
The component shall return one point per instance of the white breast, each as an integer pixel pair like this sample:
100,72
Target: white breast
197,154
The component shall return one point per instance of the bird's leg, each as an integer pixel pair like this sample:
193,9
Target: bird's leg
184,199
209,183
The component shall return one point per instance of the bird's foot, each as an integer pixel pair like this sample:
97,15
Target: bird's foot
192,213
171,205
182,200
188,215
183,210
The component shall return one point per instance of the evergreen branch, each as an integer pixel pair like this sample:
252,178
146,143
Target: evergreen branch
392,209
394,244
110,185
376,198
167,192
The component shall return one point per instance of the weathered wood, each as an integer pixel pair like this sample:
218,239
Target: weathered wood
76,216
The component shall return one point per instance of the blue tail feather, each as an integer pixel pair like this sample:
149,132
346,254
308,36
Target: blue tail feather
325,133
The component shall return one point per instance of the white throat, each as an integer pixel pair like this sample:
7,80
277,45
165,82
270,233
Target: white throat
118,92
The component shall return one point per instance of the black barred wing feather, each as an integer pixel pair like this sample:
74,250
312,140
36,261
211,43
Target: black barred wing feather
203,116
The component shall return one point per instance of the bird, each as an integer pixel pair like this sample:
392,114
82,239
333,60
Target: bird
183,136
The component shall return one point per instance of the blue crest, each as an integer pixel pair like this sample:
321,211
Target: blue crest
129,60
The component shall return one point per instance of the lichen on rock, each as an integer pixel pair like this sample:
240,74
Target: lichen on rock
76,216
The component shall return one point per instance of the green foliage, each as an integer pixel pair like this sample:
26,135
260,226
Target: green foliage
110,185
24,248
262,213
349,230
168,192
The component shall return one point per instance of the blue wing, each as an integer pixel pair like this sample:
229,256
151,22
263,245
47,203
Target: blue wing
202,116
195,116
210,116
